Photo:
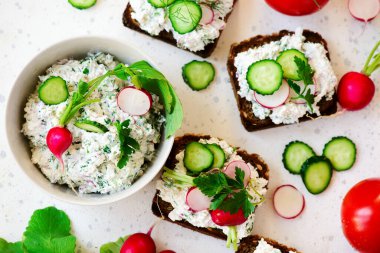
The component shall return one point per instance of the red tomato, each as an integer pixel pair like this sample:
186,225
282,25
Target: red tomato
297,7
360,216
223,218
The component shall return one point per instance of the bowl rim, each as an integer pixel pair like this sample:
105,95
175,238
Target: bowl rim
78,200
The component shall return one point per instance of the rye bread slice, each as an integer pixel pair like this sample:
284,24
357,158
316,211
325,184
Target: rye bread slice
249,244
162,209
248,119
168,37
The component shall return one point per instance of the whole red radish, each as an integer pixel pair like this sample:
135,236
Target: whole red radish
59,140
222,218
297,7
167,251
356,90
139,242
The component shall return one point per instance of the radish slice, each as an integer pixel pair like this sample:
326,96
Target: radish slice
364,10
276,99
288,201
207,14
196,200
231,167
134,101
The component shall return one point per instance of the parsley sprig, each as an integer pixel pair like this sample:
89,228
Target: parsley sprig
128,145
305,72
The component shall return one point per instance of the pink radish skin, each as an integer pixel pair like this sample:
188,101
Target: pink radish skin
196,200
276,99
364,10
58,141
167,251
207,14
134,101
288,201
138,243
231,168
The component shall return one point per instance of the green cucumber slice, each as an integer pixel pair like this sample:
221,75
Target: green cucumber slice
316,174
219,155
91,126
342,153
295,154
265,76
161,3
198,74
53,91
290,68
197,157
82,4
185,15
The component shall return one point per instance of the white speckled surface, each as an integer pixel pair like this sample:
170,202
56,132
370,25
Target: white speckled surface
28,26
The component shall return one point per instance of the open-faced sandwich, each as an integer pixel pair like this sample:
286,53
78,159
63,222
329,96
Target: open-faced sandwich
193,25
283,78
95,124
211,187
258,244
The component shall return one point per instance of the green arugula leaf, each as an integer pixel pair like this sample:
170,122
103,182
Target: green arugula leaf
113,247
211,184
49,232
144,69
9,247
128,145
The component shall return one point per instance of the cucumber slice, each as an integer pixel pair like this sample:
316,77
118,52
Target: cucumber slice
342,153
161,3
91,126
53,91
295,154
316,174
197,157
290,68
265,76
82,4
185,15
219,155
198,74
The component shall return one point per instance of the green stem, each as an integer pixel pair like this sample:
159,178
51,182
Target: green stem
77,107
62,120
366,65
180,178
232,237
94,84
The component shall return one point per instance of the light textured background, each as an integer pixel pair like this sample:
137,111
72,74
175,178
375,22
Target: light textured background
28,26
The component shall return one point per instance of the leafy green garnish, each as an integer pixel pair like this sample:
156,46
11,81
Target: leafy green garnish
128,145
8,247
305,72
49,232
113,247
86,71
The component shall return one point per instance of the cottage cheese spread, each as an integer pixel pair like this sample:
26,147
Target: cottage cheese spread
91,161
177,196
264,247
154,20
290,112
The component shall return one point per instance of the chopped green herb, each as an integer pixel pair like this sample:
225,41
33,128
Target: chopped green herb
86,71
107,150
128,145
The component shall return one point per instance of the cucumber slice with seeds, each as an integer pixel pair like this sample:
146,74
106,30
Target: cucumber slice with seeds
198,74
265,77
286,60
185,15
91,126
219,155
161,3
342,153
316,174
82,4
295,154
53,91
197,157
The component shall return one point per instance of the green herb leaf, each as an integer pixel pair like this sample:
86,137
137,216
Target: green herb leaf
144,69
113,247
49,232
218,200
305,72
248,207
235,202
82,87
309,98
239,176
8,247
86,71
128,145
211,184
294,86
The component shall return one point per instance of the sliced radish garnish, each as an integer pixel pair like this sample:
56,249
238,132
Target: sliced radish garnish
288,201
196,200
231,168
207,14
364,10
276,99
134,101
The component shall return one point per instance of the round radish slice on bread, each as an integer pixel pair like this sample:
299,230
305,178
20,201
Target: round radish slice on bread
207,14
288,202
231,168
196,200
134,101
364,10
276,99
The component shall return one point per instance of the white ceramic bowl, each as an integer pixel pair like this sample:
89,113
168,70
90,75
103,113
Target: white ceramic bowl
25,85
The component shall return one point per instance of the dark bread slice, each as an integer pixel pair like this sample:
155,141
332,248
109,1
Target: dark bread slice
167,37
162,209
249,120
249,244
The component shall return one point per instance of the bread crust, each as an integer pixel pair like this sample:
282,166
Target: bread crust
249,244
248,119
